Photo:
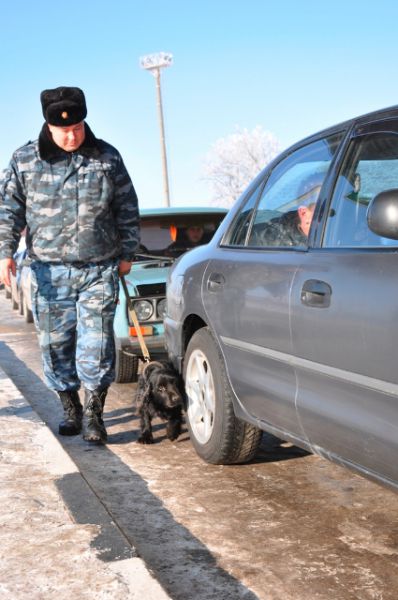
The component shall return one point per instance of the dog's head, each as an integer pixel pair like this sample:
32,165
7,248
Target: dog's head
162,383
165,390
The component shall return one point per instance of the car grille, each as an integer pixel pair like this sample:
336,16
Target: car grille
152,289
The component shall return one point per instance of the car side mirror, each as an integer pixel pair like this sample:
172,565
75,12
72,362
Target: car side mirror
382,214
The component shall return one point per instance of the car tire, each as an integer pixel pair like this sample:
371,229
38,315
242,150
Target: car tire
126,367
217,435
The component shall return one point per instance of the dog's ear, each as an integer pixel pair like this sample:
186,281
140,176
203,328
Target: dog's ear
147,391
144,389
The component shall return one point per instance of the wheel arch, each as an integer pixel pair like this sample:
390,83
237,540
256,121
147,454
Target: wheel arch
192,323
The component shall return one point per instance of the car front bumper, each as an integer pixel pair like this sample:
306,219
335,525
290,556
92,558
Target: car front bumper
154,343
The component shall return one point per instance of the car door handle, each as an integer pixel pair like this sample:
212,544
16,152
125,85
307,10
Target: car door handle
316,293
215,282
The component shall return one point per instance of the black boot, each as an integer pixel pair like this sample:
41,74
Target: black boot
93,407
73,413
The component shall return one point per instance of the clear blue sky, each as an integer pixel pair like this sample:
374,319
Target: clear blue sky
292,67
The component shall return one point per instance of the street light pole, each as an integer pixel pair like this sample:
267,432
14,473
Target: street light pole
154,63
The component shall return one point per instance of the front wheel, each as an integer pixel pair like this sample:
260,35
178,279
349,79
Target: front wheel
126,366
217,435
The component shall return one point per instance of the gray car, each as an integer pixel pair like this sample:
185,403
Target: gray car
287,321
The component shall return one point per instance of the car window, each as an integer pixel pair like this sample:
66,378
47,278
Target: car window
281,215
172,235
371,167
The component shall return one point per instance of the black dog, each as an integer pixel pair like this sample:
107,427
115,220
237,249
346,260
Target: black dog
160,392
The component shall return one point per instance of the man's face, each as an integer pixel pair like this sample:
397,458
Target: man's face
68,138
305,215
195,234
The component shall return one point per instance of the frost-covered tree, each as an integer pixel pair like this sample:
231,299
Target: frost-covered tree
235,160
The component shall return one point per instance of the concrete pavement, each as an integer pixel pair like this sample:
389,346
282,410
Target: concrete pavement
56,538
287,526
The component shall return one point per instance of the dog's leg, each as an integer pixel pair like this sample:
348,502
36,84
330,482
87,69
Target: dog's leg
146,436
173,427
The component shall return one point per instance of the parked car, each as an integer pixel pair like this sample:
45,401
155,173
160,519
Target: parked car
12,291
7,291
287,320
163,239
24,283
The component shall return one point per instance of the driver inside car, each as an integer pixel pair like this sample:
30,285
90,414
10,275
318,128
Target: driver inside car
187,238
292,228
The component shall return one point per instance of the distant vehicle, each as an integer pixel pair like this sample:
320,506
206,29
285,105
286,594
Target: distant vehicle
163,239
12,291
24,282
287,320
7,291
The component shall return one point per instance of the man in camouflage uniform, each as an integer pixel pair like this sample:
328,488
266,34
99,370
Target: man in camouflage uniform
73,194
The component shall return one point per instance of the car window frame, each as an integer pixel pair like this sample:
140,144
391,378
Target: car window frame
357,129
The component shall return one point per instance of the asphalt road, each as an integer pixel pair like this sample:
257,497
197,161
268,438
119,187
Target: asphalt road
287,526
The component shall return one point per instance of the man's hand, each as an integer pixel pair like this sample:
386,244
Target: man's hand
7,265
124,267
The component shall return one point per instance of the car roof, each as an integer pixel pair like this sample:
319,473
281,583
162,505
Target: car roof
383,113
181,210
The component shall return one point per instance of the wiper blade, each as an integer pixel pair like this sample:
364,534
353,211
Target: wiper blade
155,257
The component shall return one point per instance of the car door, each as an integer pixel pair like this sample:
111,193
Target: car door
344,316
246,287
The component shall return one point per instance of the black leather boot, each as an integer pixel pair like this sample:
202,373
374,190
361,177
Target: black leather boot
73,413
94,430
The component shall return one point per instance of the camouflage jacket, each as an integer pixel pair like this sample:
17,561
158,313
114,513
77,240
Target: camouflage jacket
76,206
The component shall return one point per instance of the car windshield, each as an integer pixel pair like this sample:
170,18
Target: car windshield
172,235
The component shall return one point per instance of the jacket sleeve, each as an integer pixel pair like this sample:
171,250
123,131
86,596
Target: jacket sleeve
125,209
12,210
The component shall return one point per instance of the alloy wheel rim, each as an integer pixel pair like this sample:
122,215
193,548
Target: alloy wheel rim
199,384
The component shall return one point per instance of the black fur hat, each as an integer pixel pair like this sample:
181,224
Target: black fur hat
63,106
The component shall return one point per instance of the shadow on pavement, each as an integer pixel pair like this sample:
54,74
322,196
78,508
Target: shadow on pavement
273,449
184,566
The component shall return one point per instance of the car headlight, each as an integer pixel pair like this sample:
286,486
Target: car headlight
161,308
143,310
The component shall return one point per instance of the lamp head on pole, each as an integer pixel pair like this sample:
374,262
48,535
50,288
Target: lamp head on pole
154,62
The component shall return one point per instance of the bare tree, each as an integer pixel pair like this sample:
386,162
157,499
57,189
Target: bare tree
235,160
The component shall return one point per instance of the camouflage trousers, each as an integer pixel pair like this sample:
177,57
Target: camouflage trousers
74,308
